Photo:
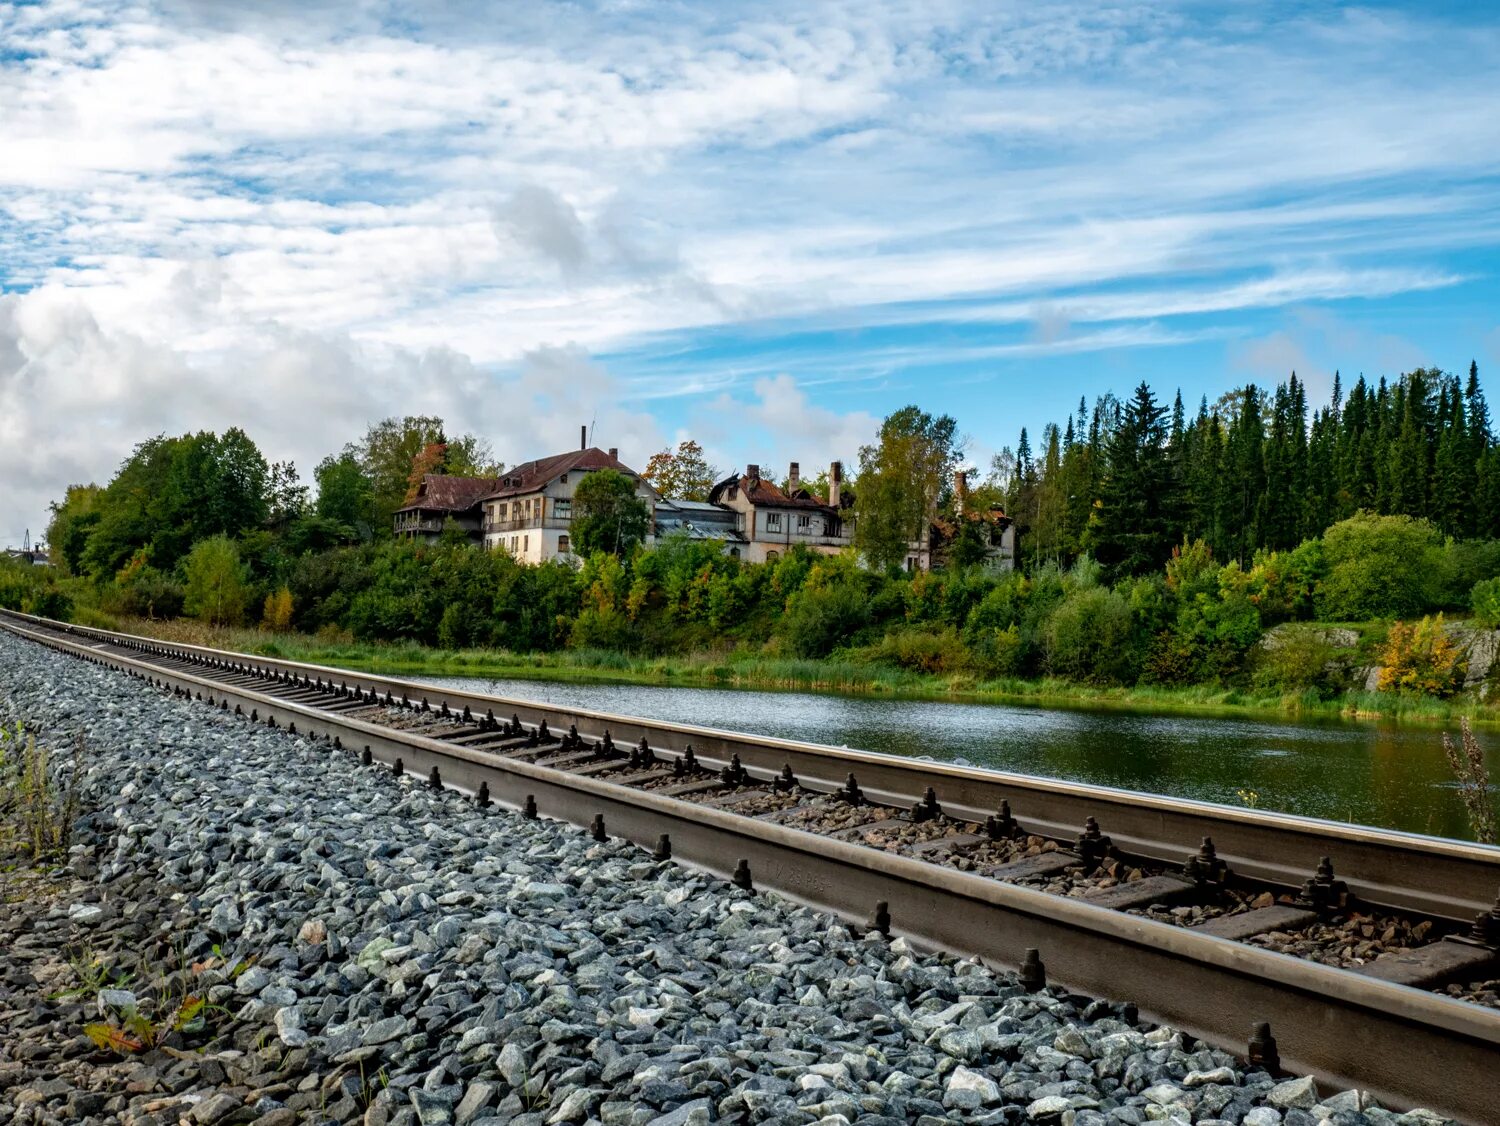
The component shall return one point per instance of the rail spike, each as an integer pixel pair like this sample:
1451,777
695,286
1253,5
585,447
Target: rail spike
1001,825
1204,867
1092,844
927,809
1487,925
742,878
1262,1049
735,773
1033,972
1323,891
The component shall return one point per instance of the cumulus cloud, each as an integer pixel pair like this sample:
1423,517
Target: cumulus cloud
301,216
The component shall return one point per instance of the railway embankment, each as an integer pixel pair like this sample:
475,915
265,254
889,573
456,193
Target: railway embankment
250,927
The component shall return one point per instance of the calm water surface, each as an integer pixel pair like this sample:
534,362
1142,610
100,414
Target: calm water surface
1366,773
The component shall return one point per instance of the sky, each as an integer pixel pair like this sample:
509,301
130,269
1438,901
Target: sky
760,225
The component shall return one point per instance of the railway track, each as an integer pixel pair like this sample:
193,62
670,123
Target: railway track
1180,907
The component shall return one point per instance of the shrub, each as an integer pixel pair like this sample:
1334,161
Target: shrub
1420,658
1295,660
820,619
1379,567
1484,599
277,613
1088,636
215,588
938,651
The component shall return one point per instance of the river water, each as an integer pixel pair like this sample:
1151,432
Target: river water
1372,774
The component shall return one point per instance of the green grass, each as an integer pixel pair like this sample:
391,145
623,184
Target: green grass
751,670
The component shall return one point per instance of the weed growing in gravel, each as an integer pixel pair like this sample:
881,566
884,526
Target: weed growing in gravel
170,1003
1467,762
36,813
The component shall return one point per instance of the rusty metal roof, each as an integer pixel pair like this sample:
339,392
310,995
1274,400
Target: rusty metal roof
440,493
767,494
531,476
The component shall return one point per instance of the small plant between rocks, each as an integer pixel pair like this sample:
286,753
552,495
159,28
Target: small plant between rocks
36,813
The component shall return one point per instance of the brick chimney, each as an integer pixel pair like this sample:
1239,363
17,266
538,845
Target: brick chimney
583,437
794,478
960,491
835,482
614,453
752,472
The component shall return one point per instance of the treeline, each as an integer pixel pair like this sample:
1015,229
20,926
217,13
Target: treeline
1194,621
1155,549
1128,481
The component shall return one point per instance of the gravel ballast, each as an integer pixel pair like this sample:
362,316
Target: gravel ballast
369,950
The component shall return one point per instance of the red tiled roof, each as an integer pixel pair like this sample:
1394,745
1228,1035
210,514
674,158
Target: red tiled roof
532,475
767,494
439,492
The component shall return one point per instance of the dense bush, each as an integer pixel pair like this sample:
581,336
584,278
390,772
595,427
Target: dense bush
1484,600
1420,658
1296,659
1380,567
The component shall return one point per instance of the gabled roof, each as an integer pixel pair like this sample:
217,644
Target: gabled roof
439,492
766,494
531,476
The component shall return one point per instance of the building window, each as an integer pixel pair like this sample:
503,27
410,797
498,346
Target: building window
562,545
804,522
526,544
773,521
734,552
562,509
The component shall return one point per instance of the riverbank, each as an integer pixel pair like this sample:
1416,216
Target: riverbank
753,671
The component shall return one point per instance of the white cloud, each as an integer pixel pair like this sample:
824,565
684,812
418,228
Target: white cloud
354,209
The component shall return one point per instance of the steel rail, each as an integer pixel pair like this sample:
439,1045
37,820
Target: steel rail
1447,879
1405,1045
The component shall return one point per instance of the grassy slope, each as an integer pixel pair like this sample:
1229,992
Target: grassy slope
742,670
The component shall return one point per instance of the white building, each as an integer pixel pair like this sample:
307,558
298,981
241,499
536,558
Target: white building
530,515
772,520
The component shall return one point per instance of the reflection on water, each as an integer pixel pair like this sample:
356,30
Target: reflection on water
1371,774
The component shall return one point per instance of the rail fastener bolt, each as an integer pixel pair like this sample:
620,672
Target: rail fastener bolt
1262,1049
596,828
482,799
851,792
663,850
365,757
786,781
1033,972
434,779
528,808
880,921
1487,925
399,769
741,878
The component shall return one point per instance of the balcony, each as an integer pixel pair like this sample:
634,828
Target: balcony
411,524
527,523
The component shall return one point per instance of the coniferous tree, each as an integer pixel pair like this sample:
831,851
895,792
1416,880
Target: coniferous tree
1137,504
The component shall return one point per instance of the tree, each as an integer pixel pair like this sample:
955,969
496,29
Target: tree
286,496
1138,498
345,495
607,515
684,475
902,478
73,520
214,582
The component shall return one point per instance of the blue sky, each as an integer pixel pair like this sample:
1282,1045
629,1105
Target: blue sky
761,225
